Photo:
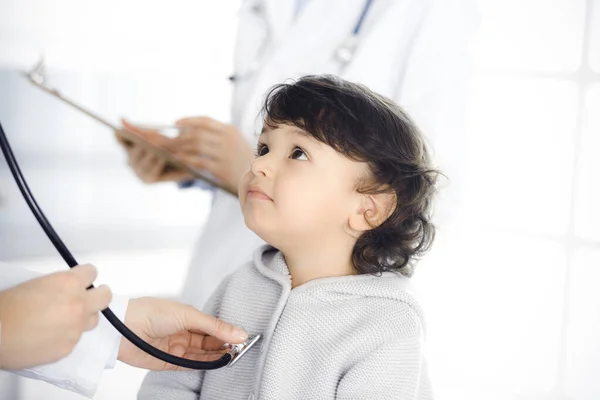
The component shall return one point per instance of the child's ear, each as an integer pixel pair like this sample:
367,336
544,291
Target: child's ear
372,211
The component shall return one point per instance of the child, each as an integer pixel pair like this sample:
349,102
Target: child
341,189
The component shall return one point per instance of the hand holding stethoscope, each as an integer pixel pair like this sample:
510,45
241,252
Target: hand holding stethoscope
233,351
44,320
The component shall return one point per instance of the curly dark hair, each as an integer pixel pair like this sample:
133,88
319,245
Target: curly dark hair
367,127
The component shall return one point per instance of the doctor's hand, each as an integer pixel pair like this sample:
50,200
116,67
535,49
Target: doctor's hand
205,144
177,329
215,147
149,167
42,320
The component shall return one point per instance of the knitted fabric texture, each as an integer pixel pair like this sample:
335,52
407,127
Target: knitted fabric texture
350,337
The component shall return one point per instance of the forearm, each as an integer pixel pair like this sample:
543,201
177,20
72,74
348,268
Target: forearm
180,385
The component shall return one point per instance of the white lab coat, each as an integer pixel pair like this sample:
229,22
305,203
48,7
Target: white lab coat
413,51
97,349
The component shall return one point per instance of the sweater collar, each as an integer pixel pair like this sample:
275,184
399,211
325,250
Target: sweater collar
388,285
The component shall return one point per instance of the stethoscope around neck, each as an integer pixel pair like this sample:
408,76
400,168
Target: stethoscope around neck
234,351
343,54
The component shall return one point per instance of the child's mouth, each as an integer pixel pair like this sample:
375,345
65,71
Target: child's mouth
258,195
255,192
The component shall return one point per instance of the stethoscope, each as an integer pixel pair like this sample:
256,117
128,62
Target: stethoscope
233,351
343,54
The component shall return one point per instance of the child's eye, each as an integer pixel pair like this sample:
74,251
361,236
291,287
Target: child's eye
299,154
261,149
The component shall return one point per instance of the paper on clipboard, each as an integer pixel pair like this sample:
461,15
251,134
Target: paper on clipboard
36,76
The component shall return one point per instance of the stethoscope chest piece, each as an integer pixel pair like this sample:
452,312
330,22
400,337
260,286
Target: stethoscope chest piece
343,55
238,350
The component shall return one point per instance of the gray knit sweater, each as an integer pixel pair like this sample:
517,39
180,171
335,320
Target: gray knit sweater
351,337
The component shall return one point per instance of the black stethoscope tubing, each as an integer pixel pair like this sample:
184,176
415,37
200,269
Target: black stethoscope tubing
70,260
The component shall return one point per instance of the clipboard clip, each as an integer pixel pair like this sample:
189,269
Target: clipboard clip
38,74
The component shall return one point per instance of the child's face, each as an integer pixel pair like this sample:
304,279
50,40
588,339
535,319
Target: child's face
299,190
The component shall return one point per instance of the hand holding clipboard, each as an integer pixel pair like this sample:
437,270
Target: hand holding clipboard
127,136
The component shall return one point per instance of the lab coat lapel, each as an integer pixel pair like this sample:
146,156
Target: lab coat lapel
280,17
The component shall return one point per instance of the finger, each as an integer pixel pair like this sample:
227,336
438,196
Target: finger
135,156
198,321
198,131
175,175
85,274
202,122
122,141
156,171
148,163
202,147
207,355
184,343
195,140
199,342
196,357
98,298
182,351
136,129
201,163
161,142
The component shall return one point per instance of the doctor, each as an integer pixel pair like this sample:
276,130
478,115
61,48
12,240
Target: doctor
413,51
44,319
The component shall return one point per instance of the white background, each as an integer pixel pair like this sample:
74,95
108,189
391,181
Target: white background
512,302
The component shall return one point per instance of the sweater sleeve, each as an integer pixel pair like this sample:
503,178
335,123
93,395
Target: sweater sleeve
181,385
395,370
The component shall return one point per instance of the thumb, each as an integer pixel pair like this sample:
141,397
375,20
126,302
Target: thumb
176,175
86,274
195,320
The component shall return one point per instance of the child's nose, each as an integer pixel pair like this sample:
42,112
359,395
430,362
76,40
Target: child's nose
261,165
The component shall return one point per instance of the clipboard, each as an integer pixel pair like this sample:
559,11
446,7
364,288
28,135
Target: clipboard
37,77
